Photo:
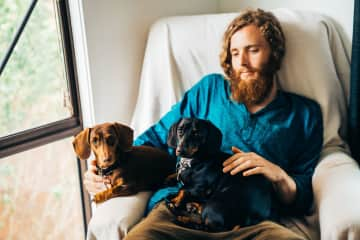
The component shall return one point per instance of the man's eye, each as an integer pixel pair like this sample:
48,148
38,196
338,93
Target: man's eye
254,50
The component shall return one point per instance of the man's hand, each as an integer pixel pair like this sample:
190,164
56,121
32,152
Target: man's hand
251,164
93,182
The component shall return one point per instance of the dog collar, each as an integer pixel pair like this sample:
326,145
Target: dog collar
183,164
107,171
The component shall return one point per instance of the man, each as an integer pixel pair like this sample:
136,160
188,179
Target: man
268,131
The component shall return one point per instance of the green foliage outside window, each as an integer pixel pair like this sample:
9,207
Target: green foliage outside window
33,82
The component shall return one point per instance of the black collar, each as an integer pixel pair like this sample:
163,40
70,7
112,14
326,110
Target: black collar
107,171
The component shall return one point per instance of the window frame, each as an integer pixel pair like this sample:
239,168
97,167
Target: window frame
57,130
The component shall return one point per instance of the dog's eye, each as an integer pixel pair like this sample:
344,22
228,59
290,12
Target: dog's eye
95,141
110,141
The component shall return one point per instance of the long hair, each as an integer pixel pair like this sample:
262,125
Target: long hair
269,27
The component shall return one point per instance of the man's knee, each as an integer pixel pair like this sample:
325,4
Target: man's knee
274,231
144,233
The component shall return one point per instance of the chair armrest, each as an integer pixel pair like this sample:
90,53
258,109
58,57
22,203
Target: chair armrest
113,219
336,184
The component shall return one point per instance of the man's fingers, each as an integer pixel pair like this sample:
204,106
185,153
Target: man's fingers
229,160
94,187
237,162
232,159
92,169
236,150
92,177
241,167
93,182
253,171
237,153
92,162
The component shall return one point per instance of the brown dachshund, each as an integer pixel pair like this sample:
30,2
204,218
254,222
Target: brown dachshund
130,169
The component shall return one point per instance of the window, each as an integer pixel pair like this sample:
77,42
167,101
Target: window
40,182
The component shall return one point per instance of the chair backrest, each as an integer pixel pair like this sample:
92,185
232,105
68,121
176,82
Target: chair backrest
181,50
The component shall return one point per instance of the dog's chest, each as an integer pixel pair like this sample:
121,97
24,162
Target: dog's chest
200,175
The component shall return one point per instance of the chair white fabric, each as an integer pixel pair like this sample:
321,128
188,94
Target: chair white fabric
113,219
180,50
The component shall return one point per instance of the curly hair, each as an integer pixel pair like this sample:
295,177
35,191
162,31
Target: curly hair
270,29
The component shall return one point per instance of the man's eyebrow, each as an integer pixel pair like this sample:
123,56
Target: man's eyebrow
247,46
253,45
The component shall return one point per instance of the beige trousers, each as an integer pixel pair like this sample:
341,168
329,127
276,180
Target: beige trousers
159,225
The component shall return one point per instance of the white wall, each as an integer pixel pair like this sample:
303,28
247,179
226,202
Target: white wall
116,33
340,11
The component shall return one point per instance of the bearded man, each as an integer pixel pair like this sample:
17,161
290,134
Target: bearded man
268,131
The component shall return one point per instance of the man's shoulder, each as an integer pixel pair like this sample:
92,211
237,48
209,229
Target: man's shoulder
305,108
212,78
302,102
210,81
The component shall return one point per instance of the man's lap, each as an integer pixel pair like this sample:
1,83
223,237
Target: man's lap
159,225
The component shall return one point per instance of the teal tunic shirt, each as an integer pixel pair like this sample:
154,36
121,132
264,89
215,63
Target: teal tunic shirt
287,132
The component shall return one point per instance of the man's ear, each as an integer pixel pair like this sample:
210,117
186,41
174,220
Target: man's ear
172,135
81,144
125,135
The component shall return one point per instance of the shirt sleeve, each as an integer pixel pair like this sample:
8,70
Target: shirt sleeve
302,169
189,106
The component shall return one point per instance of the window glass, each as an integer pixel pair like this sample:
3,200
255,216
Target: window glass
40,194
33,85
11,16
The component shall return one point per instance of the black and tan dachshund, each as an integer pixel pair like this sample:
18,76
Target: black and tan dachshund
210,199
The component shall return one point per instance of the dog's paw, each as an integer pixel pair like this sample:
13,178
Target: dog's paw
102,196
194,207
190,221
171,206
99,198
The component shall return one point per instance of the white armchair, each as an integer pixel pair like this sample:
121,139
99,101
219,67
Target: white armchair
180,50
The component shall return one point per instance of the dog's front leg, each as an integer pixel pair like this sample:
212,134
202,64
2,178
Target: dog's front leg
179,199
109,193
102,196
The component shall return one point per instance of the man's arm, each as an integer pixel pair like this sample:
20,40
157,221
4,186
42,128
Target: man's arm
251,163
190,105
294,187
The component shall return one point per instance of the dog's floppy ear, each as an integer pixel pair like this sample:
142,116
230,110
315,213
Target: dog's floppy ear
172,136
81,144
214,138
125,135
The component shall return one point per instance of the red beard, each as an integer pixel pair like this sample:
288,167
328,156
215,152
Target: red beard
252,90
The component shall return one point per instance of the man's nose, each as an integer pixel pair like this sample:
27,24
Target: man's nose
243,59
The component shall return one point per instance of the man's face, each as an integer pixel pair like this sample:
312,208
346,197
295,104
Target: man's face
250,54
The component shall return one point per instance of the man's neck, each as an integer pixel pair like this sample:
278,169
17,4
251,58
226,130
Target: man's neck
253,108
